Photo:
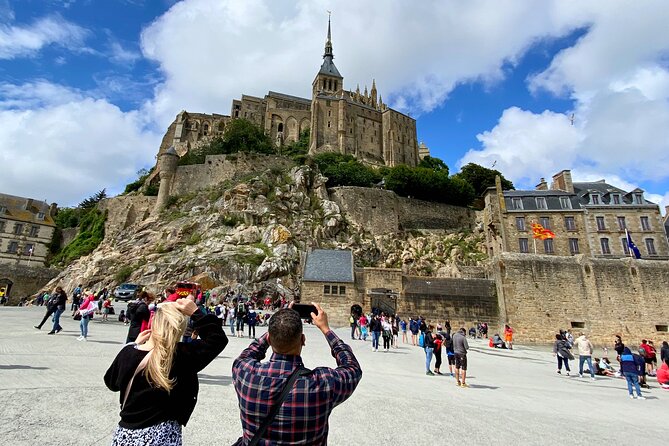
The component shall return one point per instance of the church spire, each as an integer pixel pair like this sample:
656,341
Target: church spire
328,42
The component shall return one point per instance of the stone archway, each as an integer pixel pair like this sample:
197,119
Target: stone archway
5,288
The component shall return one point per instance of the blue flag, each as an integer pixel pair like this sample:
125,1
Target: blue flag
632,246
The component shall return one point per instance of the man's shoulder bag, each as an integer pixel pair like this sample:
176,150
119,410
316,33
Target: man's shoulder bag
300,371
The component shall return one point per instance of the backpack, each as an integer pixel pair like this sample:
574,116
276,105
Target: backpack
421,339
240,309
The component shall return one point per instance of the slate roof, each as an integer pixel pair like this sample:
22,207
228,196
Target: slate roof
528,198
328,68
16,210
329,265
274,94
605,190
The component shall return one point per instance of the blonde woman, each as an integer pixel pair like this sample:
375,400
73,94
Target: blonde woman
157,375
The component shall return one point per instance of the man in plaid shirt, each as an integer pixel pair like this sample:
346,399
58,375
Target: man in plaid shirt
303,418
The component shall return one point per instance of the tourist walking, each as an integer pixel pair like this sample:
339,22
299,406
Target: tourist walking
55,306
428,347
460,347
403,327
309,395
508,337
631,367
413,327
561,351
664,351
585,349
375,327
354,326
251,319
387,332
138,313
649,356
438,342
231,319
240,314
363,322
157,376
86,310
76,298
450,354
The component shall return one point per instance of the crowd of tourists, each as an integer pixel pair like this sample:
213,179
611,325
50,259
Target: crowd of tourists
634,366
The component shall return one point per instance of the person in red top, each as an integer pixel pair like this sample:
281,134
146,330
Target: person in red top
438,342
663,375
650,356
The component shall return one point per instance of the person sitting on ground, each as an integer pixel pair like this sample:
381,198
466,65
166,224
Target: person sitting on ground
157,376
605,367
472,332
121,316
663,375
303,417
498,342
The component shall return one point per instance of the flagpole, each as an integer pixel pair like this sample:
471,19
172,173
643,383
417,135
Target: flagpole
627,239
535,245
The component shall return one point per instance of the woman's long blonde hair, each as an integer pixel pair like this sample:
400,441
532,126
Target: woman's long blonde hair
166,330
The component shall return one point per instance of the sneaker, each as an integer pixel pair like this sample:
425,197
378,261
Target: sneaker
428,373
592,378
464,385
580,375
641,397
559,372
37,327
567,373
51,332
80,338
632,397
457,383
59,330
85,339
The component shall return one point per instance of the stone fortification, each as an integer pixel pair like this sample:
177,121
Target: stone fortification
540,295
386,212
25,280
220,168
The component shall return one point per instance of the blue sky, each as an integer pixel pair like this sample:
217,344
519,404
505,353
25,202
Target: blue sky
88,87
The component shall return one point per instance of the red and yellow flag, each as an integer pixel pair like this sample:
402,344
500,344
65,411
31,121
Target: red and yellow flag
541,233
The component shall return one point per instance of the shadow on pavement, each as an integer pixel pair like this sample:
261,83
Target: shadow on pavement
107,342
481,386
21,367
215,380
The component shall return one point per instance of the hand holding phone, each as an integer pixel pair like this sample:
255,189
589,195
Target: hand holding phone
305,310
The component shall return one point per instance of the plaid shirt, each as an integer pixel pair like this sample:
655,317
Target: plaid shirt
303,418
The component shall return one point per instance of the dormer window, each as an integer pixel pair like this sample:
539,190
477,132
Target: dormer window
3,210
638,198
615,199
541,202
40,215
565,203
594,199
517,203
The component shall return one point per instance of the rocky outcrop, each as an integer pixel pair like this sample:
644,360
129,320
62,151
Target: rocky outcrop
254,234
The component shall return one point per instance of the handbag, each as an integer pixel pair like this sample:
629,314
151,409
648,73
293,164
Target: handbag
300,371
76,316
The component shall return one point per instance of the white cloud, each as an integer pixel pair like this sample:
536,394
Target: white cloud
122,55
64,150
617,76
27,40
212,51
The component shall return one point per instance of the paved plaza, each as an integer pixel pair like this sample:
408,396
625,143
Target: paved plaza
52,393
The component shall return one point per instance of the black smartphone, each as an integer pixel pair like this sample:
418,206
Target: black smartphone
305,310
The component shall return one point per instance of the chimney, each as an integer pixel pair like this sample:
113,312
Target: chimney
562,181
542,185
666,210
53,210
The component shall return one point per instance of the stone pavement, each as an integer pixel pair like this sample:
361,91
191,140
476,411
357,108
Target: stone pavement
52,393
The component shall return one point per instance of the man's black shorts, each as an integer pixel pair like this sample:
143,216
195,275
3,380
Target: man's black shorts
460,361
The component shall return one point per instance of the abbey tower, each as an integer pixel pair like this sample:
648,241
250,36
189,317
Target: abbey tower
343,121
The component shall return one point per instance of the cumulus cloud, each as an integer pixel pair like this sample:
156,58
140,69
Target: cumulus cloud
211,51
63,145
617,76
26,40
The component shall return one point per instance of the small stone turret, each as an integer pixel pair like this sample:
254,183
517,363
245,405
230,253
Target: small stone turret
167,165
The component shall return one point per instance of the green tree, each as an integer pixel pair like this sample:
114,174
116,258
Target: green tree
241,135
93,200
351,173
433,163
299,147
482,178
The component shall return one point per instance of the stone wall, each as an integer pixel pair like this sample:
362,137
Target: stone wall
219,168
26,280
124,211
540,295
463,302
382,211
338,308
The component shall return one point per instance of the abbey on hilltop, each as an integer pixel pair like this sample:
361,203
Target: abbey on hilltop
342,121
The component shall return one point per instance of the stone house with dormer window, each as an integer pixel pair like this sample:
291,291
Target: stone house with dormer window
589,218
26,229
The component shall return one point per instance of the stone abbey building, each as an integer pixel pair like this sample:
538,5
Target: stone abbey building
343,121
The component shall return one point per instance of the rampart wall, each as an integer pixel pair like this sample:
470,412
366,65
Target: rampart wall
386,212
540,295
219,168
25,280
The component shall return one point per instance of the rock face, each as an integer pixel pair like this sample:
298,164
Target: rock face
250,234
